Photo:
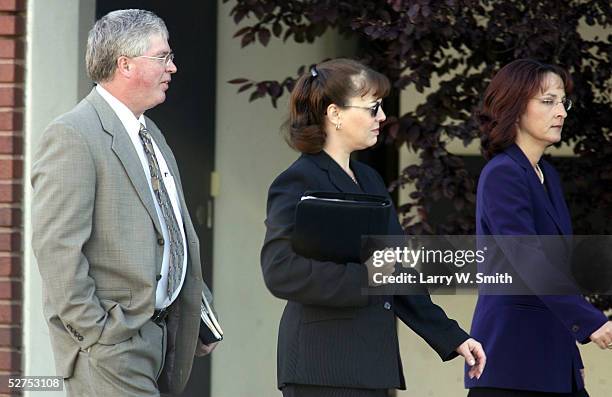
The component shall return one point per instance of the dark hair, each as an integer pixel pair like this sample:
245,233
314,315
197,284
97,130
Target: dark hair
326,83
505,100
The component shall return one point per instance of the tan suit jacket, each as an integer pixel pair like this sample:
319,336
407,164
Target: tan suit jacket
98,242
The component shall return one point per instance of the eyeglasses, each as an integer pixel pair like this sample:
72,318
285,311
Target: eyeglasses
373,109
166,59
566,102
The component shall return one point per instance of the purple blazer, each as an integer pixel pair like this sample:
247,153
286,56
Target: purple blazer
530,341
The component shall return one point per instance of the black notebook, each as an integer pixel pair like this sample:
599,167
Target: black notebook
329,225
210,330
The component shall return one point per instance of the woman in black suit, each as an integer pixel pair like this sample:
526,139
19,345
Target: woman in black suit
333,339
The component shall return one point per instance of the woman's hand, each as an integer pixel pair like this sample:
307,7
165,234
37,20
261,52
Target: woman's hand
603,336
474,356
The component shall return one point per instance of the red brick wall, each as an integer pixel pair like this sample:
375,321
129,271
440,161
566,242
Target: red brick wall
12,37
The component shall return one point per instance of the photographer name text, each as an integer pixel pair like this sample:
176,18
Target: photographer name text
448,280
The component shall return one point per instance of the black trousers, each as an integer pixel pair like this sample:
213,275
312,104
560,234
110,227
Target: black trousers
493,392
327,391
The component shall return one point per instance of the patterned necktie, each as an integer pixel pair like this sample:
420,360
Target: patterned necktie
177,254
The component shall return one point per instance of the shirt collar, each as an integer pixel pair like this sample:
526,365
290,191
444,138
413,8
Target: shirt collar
129,121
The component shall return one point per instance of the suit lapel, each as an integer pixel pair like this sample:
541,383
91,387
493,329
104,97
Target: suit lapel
124,149
532,179
544,198
555,195
337,176
366,183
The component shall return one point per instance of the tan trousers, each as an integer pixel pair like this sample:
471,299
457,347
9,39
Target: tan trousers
127,369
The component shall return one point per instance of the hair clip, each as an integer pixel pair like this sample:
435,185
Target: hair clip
314,72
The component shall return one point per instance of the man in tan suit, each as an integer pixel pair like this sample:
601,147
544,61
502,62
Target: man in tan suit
118,254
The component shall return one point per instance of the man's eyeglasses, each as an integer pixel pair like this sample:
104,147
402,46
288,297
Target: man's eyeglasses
165,59
373,109
551,103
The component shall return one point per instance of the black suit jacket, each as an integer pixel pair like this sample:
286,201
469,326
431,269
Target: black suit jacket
330,333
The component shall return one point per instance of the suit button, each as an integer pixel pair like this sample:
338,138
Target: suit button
387,306
158,277
160,241
575,328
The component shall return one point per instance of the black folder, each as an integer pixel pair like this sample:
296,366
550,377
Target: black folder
329,225
210,330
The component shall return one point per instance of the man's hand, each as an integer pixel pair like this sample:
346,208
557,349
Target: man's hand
203,350
474,356
603,336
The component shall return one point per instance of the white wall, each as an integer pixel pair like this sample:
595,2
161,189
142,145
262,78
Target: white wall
55,82
250,152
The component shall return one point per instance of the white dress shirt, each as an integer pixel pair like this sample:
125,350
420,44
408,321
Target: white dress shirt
132,126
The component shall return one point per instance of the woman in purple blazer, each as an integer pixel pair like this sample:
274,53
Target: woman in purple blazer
530,340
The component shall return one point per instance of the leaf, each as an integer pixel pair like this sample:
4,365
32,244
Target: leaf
264,36
254,96
259,11
275,90
413,11
262,88
396,5
247,39
245,87
413,134
393,130
238,81
290,84
269,7
242,31
239,16
277,29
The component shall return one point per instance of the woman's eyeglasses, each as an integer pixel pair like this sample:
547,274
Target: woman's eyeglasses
373,109
551,103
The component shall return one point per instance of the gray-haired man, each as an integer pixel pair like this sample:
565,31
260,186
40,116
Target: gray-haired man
114,242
